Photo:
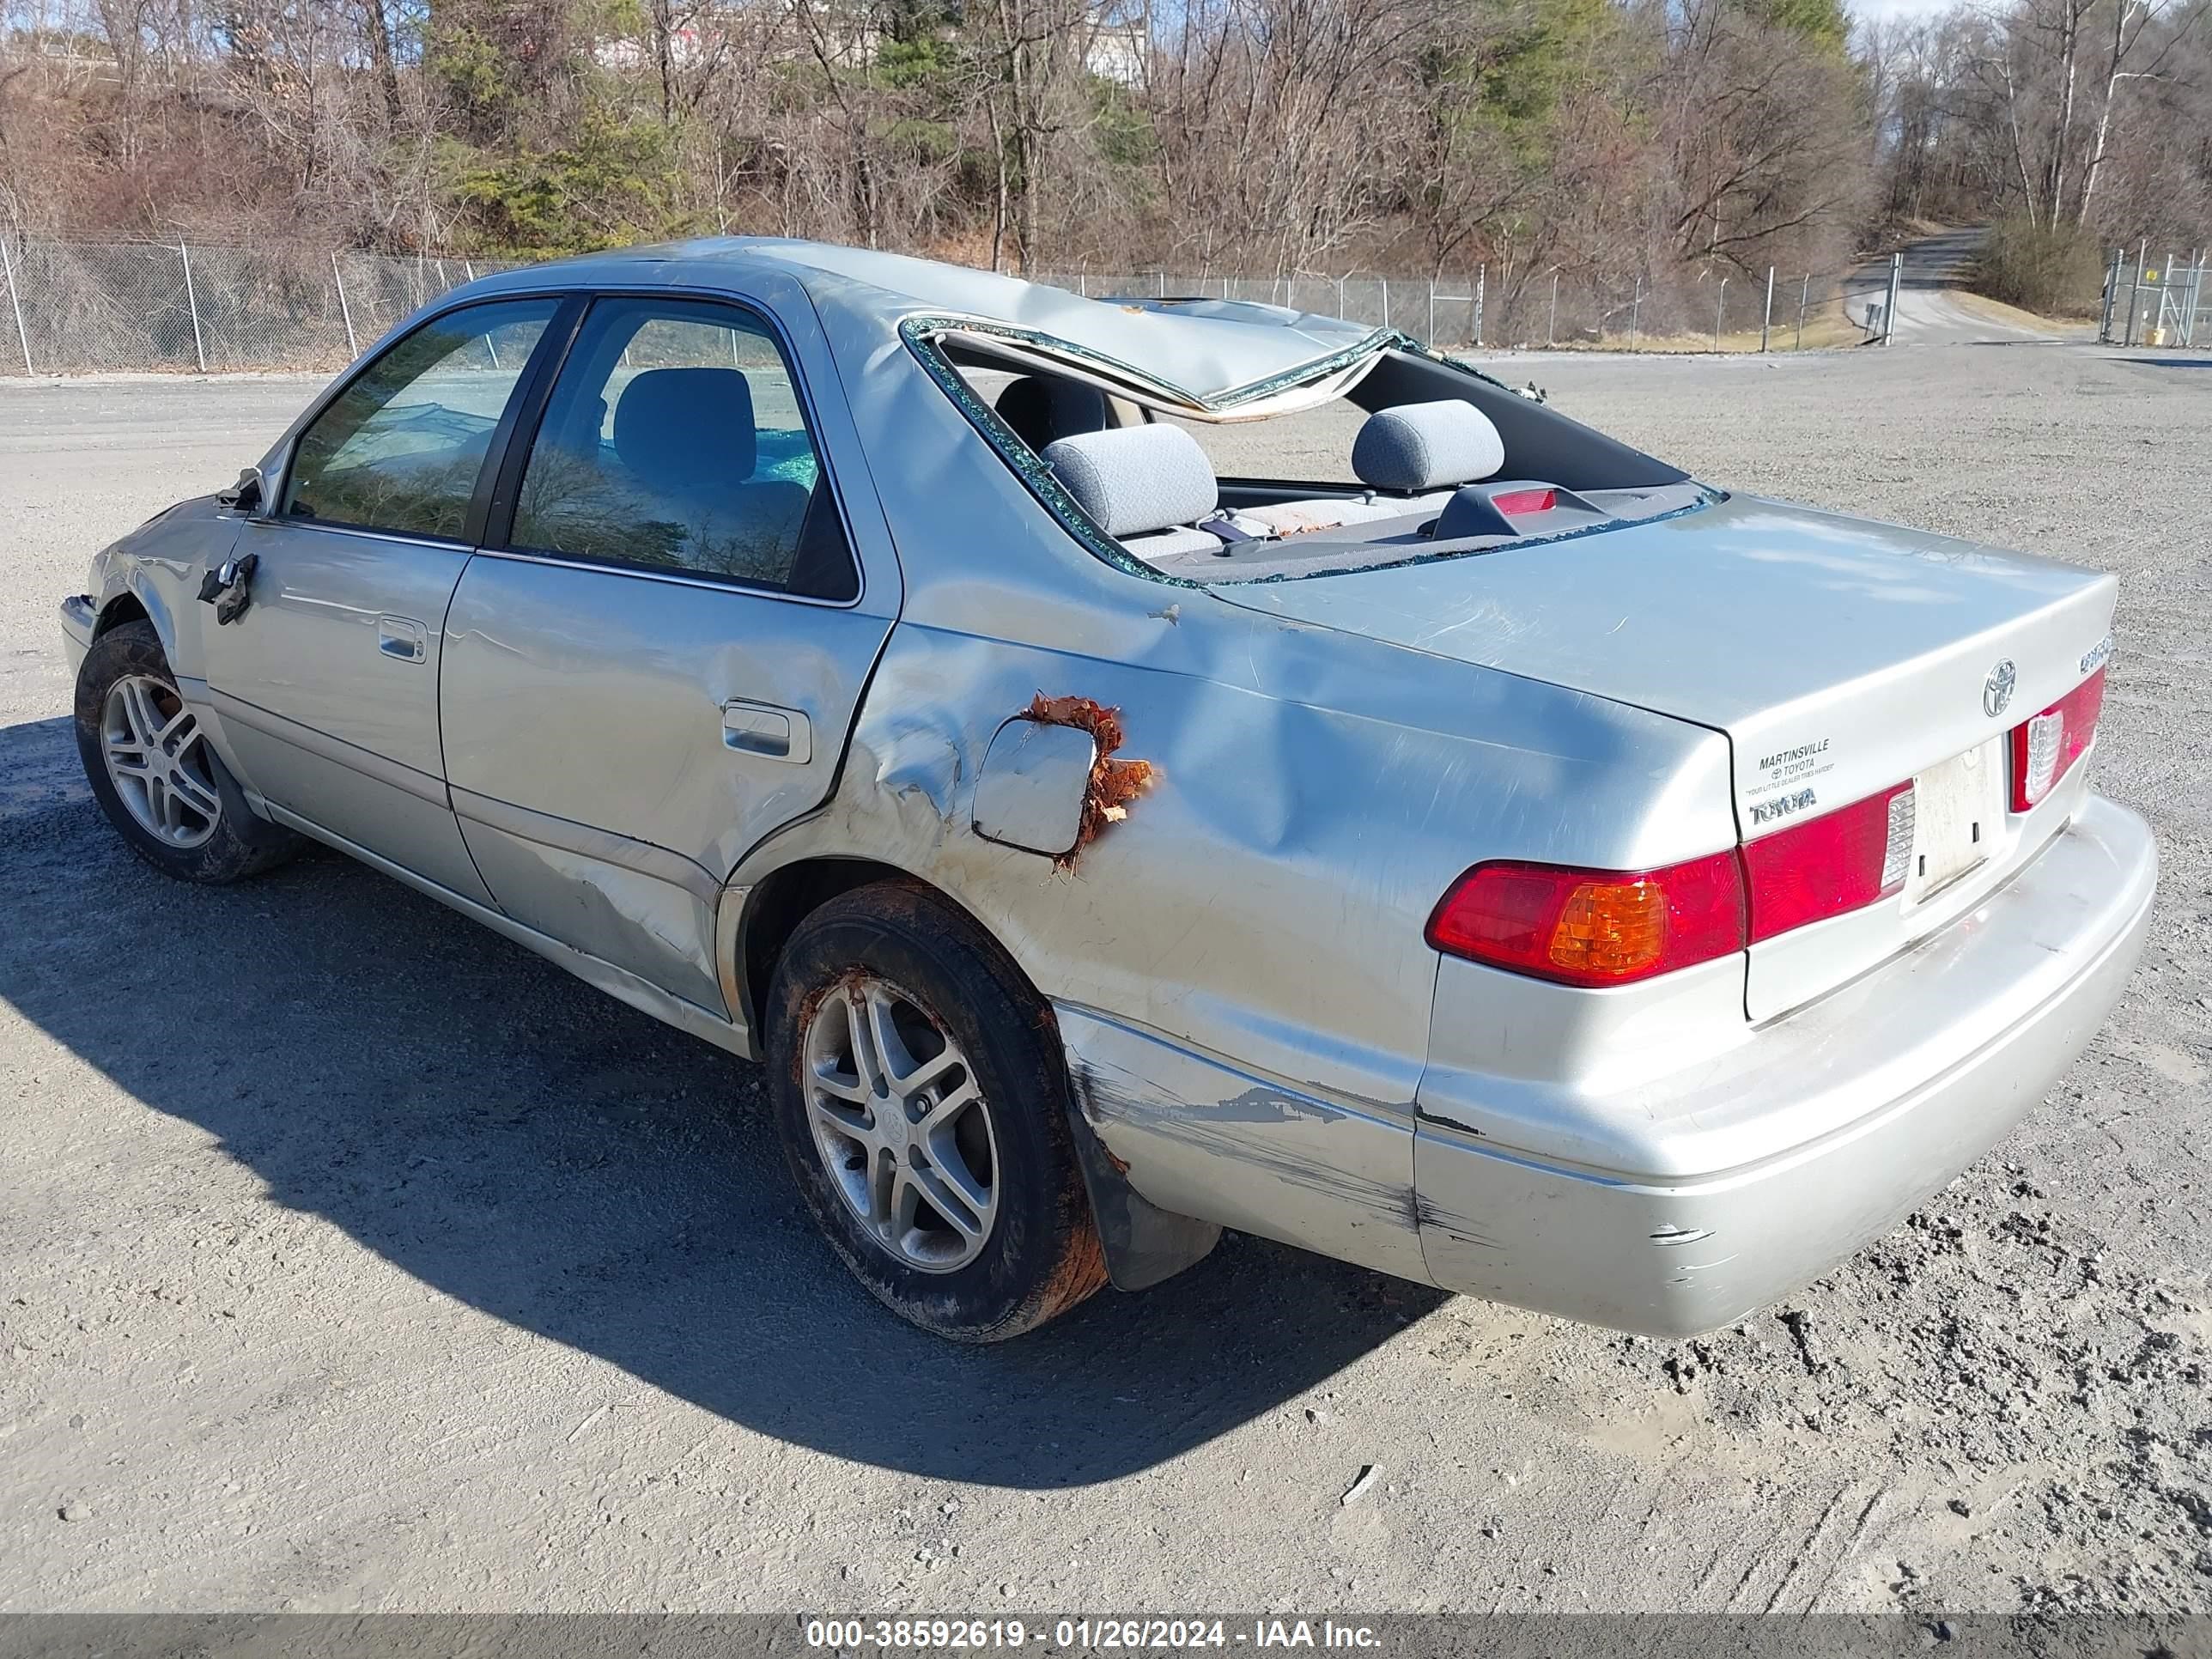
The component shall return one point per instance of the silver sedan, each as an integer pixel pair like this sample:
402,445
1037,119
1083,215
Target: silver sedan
1476,850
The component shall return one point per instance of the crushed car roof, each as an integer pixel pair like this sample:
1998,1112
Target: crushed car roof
1205,355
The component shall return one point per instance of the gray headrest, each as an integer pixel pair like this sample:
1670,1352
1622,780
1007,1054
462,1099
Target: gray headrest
1040,410
1426,447
1132,479
675,428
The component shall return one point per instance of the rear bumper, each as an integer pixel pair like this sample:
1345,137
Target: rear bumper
79,618
1925,1063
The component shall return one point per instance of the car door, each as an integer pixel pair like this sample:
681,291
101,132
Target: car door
658,662
327,685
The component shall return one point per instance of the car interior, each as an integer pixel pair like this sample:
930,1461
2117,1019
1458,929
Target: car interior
1445,462
657,448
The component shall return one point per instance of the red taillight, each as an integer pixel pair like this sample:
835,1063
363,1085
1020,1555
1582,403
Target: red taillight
2045,746
1525,500
1593,926
1824,867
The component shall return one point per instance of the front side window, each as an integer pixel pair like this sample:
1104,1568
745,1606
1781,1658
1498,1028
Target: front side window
400,449
674,439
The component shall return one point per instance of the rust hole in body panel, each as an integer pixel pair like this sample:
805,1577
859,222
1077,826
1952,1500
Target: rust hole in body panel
1113,783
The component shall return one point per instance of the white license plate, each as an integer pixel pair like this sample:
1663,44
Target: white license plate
1958,814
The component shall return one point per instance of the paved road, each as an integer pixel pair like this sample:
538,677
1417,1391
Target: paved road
1928,310
351,1257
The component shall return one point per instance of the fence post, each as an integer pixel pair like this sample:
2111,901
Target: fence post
15,303
1385,281
1164,285
1804,294
1720,313
1432,311
191,301
2135,288
353,346
1481,286
1767,318
1636,311
1340,296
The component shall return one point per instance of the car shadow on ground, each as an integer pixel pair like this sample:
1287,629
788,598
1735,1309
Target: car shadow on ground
533,1149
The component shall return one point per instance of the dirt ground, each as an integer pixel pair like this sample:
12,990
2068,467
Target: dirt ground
351,1257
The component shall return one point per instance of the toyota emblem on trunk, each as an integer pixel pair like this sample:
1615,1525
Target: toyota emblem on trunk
1997,691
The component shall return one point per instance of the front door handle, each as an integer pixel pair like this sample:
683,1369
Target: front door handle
402,637
767,730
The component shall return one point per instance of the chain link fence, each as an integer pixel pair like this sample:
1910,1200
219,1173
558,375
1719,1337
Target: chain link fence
1517,309
2157,302
91,307
94,307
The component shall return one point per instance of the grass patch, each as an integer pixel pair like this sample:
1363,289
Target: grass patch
2051,270
1980,304
1825,328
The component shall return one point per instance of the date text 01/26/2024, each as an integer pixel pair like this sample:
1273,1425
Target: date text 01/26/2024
855,1635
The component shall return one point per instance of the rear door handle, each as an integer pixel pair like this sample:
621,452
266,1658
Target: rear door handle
402,637
767,730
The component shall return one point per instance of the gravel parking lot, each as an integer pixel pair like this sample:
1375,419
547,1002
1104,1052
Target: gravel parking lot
352,1257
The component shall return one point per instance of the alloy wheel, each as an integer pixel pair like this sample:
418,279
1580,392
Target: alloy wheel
158,760
901,1124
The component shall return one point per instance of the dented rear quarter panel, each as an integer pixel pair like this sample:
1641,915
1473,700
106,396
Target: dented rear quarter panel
1261,907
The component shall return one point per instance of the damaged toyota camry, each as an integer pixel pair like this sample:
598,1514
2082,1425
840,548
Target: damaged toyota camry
1134,769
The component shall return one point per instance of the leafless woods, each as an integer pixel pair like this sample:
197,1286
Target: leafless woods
1668,138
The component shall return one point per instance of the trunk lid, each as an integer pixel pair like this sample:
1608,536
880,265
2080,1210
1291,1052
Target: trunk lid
1839,656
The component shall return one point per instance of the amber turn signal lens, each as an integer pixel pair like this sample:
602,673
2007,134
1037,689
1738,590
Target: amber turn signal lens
1593,926
1611,929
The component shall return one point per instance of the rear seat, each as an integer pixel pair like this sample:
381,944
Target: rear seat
1412,458
1148,487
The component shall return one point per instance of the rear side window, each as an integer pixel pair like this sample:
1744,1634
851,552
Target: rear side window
674,440
400,449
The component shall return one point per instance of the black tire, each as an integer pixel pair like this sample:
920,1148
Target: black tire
238,844
1041,1255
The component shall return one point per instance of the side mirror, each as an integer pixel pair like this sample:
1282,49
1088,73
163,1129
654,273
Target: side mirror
245,493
